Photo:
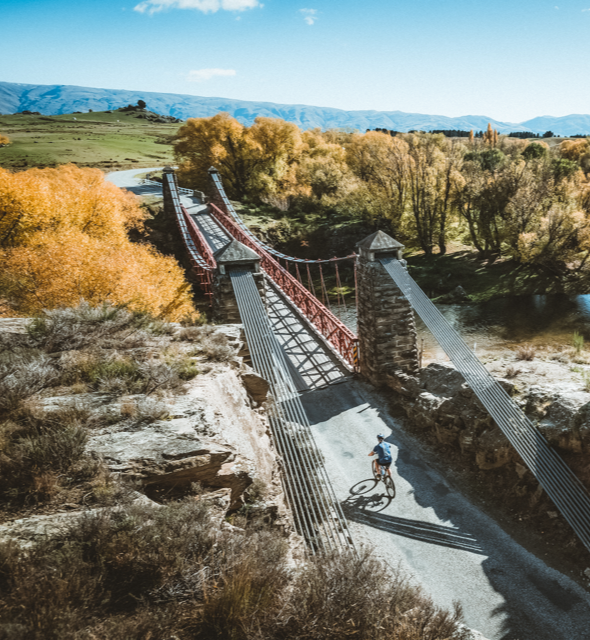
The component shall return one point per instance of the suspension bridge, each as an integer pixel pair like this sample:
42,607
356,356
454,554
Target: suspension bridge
324,419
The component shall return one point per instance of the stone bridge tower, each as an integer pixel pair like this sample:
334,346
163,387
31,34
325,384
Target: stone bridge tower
386,327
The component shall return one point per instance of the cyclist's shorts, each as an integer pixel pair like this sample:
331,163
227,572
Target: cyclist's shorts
385,463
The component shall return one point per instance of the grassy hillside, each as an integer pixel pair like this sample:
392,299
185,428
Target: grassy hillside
105,140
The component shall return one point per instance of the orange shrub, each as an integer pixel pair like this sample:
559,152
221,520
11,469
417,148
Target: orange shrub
63,238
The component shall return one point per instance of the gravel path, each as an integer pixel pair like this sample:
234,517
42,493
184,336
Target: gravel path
430,530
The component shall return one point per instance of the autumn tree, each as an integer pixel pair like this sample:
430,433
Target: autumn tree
254,160
382,162
433,179
4,140
64,238
577,151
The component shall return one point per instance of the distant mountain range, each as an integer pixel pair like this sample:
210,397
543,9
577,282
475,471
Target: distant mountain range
57,99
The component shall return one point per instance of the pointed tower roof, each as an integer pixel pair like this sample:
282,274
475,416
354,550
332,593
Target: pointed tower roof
237,252
379,243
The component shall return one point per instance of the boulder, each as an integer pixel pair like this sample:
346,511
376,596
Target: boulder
169,454
562,415
493,450
441,380
256,386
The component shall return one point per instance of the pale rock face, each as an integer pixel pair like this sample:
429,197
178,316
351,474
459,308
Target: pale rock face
439,399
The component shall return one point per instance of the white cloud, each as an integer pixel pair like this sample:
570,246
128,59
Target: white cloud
309,15
200,75
206,6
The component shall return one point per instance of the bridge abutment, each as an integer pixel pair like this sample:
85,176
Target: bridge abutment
234,256
386,326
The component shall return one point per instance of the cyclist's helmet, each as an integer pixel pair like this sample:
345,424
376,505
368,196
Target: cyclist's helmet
381,436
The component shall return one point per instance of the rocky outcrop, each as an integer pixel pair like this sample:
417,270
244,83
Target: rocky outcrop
440,400
26,532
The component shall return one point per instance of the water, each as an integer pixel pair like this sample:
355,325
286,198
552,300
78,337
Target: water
542,320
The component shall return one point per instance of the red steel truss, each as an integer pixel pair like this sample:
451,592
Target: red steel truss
335,332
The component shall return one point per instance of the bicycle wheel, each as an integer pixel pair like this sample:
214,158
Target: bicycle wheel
389,486
375,472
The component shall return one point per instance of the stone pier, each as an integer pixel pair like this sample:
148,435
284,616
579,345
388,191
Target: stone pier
386,327
234,255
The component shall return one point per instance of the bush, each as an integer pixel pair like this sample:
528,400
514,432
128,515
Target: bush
210,343
64,236
22,374
105,326
526,352
117,572
39,448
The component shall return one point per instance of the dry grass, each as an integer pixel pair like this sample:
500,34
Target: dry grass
526,352
23,374
209,343
105,327
147,572
512,371
38,450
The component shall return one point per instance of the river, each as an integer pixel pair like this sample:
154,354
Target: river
542,320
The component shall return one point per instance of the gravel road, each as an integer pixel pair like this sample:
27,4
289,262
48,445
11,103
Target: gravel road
430,530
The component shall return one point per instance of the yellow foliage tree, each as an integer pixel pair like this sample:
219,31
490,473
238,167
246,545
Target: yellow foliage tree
4,140
260,159
63,238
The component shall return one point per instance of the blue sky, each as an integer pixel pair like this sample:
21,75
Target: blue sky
510,60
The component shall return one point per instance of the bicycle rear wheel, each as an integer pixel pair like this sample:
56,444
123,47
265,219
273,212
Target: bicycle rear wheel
389,486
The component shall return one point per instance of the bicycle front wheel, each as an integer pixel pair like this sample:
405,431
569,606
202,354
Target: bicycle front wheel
389,486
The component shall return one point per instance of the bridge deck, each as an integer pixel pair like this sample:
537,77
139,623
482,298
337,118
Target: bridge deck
313,366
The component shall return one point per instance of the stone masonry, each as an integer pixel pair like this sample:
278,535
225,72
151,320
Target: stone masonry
386,328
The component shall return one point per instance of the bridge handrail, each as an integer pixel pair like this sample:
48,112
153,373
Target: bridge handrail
327,324
199,240
188,192
227,206
192,238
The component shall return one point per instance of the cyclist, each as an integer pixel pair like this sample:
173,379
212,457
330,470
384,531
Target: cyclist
383,451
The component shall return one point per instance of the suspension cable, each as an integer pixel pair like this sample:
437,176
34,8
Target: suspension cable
560,483
318,514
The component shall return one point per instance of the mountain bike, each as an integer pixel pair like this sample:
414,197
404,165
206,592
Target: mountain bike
387,479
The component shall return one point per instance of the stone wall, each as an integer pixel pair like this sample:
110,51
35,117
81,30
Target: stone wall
440,401
225,306
386,327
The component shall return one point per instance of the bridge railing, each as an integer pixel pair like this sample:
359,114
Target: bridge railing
327,324
199,251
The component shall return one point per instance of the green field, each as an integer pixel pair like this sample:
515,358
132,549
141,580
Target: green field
106,140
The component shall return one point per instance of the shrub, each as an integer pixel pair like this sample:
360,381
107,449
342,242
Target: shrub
115,573
38,448
22,374
209,343
578,342
64,237
526,352
512,371
105,566
104,325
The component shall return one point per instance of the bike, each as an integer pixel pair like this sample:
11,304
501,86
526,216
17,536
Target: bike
387,479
